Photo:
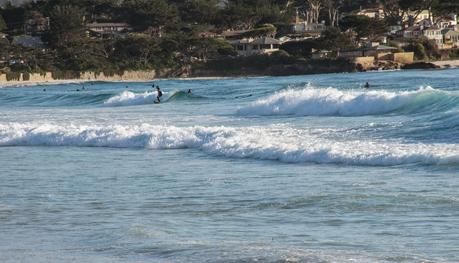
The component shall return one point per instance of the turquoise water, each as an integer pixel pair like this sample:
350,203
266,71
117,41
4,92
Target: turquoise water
272,169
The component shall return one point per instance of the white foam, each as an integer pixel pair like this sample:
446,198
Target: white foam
282,144
128,98
333,102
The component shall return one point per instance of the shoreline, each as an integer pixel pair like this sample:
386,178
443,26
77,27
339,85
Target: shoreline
454,63
9,84
440,64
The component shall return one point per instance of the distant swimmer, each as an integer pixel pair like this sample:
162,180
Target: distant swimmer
159,95
44,89
367,85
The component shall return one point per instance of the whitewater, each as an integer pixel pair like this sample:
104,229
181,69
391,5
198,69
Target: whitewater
295,169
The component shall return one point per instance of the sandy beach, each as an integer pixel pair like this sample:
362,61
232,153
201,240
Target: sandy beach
447,63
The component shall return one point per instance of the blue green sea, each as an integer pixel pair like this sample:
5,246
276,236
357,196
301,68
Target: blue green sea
267,169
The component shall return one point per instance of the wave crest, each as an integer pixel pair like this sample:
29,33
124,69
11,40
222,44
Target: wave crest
334,102
129,98
281,144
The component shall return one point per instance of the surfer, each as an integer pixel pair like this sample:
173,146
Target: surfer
159,95
189,91
367,85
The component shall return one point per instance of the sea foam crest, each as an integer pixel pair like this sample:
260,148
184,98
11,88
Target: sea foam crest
282,144
333,102
129,98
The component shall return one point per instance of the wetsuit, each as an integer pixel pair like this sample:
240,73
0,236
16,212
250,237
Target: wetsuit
160,94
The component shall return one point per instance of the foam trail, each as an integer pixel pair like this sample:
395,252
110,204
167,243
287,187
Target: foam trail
334,102
285,145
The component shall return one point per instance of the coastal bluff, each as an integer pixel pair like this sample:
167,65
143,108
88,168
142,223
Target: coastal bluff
82,76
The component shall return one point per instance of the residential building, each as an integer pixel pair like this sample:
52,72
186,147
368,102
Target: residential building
414,17
412,32
262,45
451,38
447,22
435,34
319,54
377,13
28,41
314,29
108,29
371,49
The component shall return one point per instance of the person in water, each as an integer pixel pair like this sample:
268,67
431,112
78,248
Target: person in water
367,85
160,93
189,91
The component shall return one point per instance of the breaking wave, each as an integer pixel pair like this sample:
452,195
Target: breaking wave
334,102
128,98
285,145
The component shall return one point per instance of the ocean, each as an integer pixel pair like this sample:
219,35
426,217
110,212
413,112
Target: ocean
266,169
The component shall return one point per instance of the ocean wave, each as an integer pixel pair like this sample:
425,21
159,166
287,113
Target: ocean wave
281,144
333,102
128,98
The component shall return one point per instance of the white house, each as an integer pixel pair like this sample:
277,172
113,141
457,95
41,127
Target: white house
108,29
377,13
311,28
451,38
435,34
416,16
262,45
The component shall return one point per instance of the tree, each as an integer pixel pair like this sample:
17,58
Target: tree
334,39
149,15
199,11
3,26
364,26
66,26
314,7
333,7
397,10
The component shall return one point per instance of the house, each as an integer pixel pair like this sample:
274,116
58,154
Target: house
108,29
447,22
425,23
414,17
372,49
28,41
412,32
451,38
319,54
262,45
393,30
377,13
435,34
314,30
234,34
